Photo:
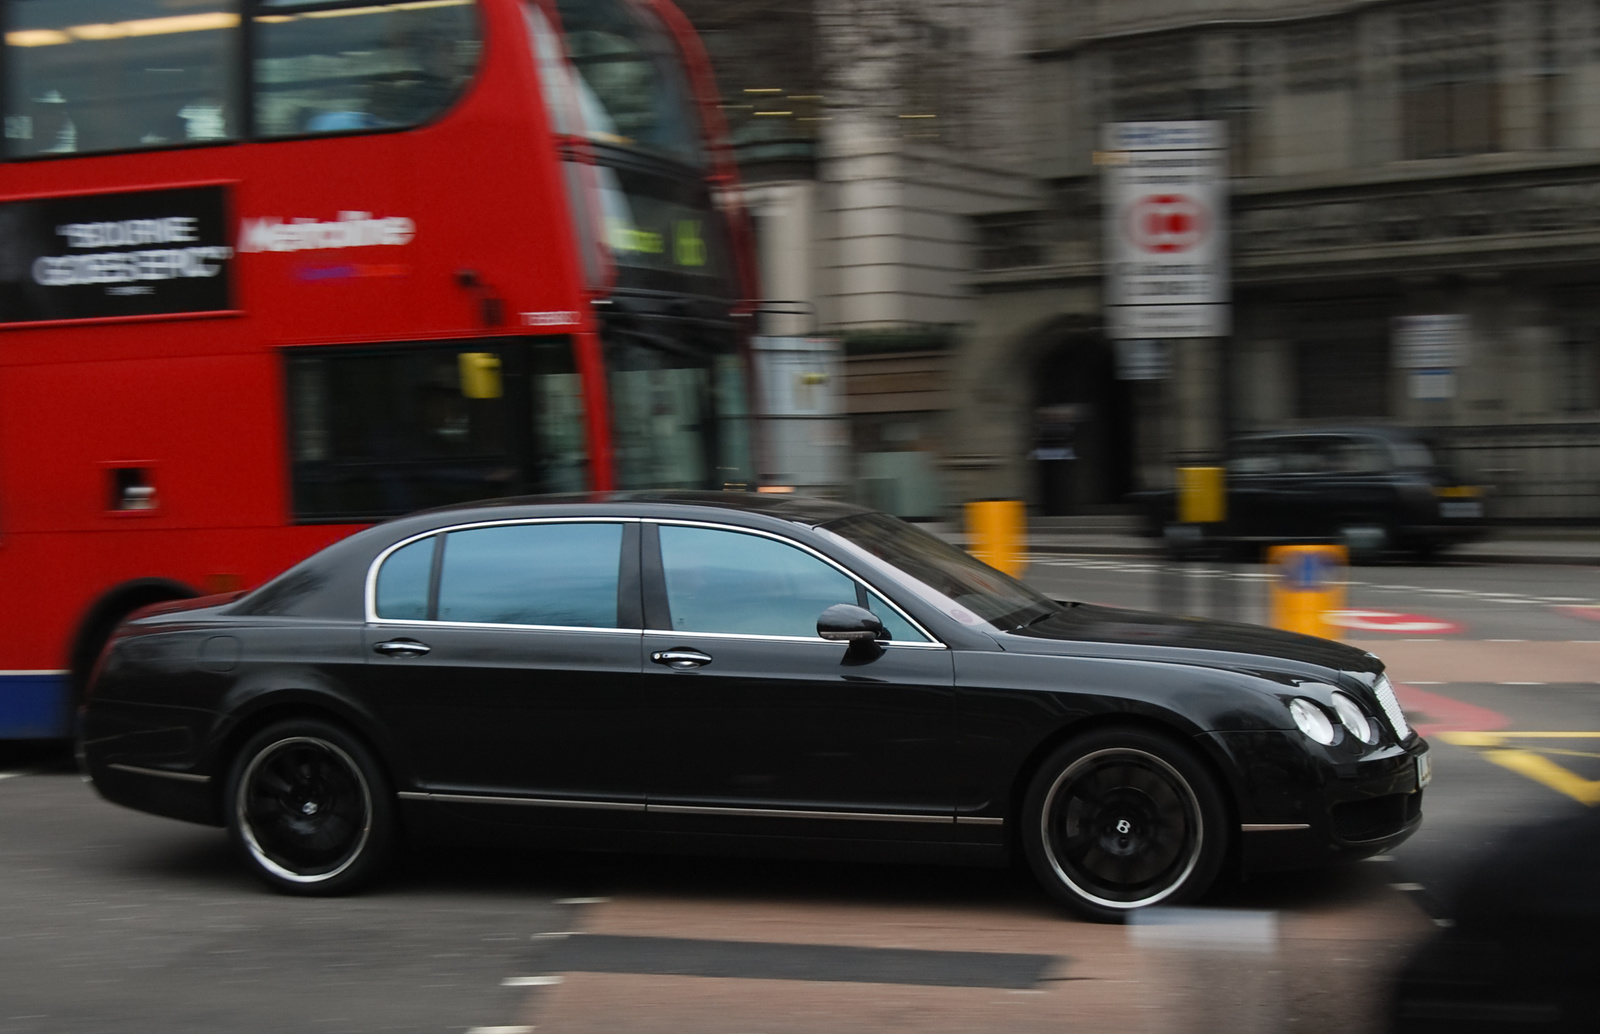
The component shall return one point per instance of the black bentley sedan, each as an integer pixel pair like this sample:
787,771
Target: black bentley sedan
728,672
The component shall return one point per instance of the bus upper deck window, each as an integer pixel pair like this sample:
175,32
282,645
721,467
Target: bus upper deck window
635,90
118,75
325,67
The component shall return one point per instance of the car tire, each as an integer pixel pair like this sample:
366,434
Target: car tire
310,809
1119,819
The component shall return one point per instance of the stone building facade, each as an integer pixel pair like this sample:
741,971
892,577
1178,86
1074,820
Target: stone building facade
1389,158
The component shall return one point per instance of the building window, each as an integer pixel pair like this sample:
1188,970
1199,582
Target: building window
1341,367
1449,78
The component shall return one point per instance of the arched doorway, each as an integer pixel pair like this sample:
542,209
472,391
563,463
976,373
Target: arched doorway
1082,434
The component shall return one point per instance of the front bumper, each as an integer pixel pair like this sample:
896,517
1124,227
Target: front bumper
1302,804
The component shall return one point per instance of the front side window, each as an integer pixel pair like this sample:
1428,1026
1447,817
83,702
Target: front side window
532,574
322,68
728,581
85,76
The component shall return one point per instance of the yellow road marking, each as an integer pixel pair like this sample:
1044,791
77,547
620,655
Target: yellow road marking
1532,763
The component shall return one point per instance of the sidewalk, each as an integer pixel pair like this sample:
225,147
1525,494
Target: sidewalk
1512,546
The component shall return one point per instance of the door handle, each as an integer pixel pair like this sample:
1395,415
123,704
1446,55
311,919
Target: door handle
682,660
401,648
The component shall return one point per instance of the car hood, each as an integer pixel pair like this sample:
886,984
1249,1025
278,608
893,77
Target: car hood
1114,626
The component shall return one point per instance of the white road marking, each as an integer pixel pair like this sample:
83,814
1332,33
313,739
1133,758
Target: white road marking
1505,640
581,901
553,935
1522,683
501,1030
544,981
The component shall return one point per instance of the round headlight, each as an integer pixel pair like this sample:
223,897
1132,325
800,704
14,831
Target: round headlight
1312,720
1354,718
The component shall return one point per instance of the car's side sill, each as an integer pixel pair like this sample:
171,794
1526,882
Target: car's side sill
697,809
533,802
183,777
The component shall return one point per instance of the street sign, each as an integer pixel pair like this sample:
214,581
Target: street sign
1166,229
1391,622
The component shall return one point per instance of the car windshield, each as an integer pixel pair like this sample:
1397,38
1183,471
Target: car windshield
961,586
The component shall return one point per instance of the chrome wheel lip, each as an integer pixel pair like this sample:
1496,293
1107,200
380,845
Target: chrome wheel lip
247,833
1179,783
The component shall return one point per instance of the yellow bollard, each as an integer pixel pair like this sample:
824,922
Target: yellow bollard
1202,498
996,529
1310,583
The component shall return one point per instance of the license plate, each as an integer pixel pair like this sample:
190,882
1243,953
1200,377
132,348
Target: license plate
1424,770
1471,508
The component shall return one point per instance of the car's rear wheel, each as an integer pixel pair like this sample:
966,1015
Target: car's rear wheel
1120,819
309,808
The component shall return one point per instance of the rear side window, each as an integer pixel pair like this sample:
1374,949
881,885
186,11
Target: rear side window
403,581
532,574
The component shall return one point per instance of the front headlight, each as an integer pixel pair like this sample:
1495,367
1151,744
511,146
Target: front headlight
1354,719
1312,720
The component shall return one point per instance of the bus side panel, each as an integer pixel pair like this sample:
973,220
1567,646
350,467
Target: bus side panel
203,434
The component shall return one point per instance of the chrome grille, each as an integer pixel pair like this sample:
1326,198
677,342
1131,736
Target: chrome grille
1391,707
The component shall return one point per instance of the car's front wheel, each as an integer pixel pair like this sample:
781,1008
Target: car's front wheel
1119,819
309,808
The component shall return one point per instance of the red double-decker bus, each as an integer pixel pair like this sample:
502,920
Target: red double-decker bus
271,270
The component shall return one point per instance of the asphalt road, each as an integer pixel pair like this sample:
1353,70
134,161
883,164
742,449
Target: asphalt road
113,921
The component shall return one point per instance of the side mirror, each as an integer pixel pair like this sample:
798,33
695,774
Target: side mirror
848,623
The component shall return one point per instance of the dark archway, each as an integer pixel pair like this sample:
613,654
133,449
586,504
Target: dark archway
1082,451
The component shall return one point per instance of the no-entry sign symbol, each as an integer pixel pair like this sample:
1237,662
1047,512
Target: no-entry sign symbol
1167,223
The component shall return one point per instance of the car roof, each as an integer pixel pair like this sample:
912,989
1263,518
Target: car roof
801,509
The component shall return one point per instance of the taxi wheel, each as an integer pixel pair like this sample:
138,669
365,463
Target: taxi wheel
309,808
1120,819
1366,540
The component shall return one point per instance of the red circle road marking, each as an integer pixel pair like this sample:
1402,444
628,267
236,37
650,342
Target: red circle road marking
1389,621
1587,613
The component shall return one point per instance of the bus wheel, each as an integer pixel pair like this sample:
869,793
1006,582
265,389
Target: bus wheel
106,615
309,808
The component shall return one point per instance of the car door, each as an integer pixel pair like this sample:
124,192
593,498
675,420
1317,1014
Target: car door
508,656
760,726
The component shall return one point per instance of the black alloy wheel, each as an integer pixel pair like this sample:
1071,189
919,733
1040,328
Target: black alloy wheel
1120,819
310,809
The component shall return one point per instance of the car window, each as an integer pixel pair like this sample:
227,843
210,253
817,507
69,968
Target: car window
532,574
1360,456
403,581
729,581
1307,455
1254,457
899,628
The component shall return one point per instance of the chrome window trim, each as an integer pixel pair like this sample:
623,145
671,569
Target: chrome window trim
754,637
1272,827
371,592
933,640
392,622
